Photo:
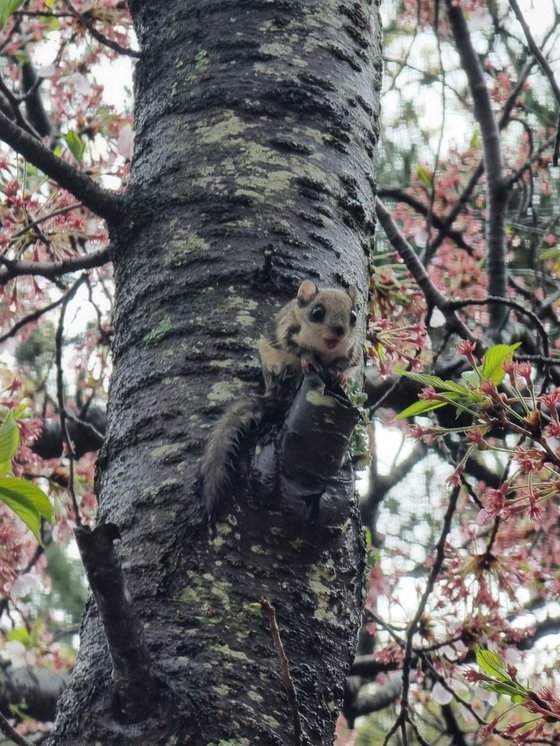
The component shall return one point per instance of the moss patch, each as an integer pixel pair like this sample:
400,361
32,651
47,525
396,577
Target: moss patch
158,333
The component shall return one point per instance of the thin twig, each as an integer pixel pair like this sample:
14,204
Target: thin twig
51,270
18,116
516,175
540,359
43,218
284,668
457,304
430,217
12,733
60,393
89,427
408,199
101,38
404,715
383,398
536,52
29,318
457,208
100,201
434,297
479,170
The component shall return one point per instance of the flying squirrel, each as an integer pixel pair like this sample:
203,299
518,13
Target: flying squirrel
316,331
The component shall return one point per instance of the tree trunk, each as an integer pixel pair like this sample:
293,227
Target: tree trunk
254,168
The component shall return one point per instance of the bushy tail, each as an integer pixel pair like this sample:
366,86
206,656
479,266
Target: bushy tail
217,465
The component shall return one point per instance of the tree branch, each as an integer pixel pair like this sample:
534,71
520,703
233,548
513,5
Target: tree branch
432,577
434,297
39,688
536,52
100,201
366,666
518,173
59,338
132,665
12,733
401,196
404,715
101,38
493,164
479,170
489,300
453,728
86,434
31,317
15,110
52,270
381,697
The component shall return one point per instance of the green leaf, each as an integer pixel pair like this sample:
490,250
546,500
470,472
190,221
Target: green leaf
493,362
511,690
23,510
30,492
491,663
420,407
18,712
19,634
470,378
7,7
424,175
426,379
75,144
438,383
9,441
21,410
475,138
453,392
27,501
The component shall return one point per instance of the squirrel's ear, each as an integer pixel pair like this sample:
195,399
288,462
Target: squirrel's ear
307,291
353,293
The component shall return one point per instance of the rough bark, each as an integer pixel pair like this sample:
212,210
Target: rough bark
254,168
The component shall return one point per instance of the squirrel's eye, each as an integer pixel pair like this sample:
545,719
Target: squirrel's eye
317,314
353,318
